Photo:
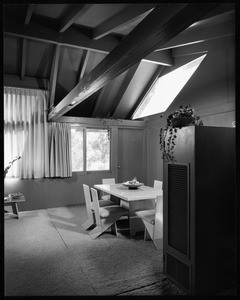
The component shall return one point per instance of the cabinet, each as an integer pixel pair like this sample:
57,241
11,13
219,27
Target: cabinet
199,210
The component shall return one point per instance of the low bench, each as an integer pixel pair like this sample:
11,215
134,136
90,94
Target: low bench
8,201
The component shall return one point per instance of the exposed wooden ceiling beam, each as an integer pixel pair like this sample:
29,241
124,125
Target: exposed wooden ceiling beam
71,38
197,34
23,62
83,66
74,38
126,83
146,90
223,8
207,46
99,106
53,77
29,14
125,16
72,15
162,24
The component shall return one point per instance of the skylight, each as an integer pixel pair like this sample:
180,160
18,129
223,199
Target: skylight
166,89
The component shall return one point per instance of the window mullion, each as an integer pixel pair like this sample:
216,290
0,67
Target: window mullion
85,150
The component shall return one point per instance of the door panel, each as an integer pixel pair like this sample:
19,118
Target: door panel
130,154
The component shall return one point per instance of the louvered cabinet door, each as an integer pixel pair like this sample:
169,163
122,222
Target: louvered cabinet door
178,207
177,263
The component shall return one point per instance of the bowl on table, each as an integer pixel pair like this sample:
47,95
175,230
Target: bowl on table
132,186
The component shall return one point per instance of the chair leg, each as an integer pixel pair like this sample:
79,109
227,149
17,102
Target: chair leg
148,230
96,232
114,229
99,229
87,224
147,236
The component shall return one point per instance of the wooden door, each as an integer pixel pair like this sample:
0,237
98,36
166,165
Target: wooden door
131,161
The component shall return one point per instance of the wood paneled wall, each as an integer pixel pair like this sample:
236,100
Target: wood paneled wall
210,91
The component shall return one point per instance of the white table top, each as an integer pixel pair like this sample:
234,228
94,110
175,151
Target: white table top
142,193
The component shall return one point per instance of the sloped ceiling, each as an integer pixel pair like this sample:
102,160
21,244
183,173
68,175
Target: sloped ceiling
105,56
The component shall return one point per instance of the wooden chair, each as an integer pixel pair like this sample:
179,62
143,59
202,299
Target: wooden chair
153,222
90,210
106,217
107,181
157,184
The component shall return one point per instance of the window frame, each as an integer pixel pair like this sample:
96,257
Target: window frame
85,171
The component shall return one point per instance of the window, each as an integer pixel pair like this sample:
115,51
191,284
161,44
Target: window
166,88
90,149
98,150
77,149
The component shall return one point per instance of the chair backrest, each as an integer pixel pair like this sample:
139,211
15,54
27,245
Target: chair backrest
96,206
88,200
108,181
158,227
157,184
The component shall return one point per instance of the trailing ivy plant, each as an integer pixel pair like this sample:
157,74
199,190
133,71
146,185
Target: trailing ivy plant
105,124
167,147
174,123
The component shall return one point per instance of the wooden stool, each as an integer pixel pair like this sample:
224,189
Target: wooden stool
8,201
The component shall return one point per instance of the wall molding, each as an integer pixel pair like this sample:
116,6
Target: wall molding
99,122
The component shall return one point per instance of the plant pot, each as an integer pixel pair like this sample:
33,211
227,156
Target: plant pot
182,121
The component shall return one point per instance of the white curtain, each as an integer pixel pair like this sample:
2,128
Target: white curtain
45,148
60,150
25,132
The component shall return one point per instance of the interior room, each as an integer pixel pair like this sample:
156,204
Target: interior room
119,149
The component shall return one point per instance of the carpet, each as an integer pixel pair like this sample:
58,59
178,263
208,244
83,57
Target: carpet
48,253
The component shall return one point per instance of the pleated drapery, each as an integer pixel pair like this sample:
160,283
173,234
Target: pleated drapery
60,150
25,132
45,148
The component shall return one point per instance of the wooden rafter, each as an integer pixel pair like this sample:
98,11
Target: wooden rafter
197,34
84,64
223,8
126,83
125,16
73,38
23,62
161,25
53,78
29,14
117,98
207,46
72,15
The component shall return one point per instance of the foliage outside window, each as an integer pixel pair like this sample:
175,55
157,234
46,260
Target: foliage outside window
98,150
77,149
90,149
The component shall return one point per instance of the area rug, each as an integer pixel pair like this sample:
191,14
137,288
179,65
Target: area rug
48,253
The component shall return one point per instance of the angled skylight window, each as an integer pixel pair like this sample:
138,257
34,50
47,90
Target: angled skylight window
165,90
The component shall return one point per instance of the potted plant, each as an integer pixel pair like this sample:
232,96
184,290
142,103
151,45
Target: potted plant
10,164
185,116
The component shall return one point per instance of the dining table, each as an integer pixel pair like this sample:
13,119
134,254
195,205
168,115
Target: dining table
141,198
